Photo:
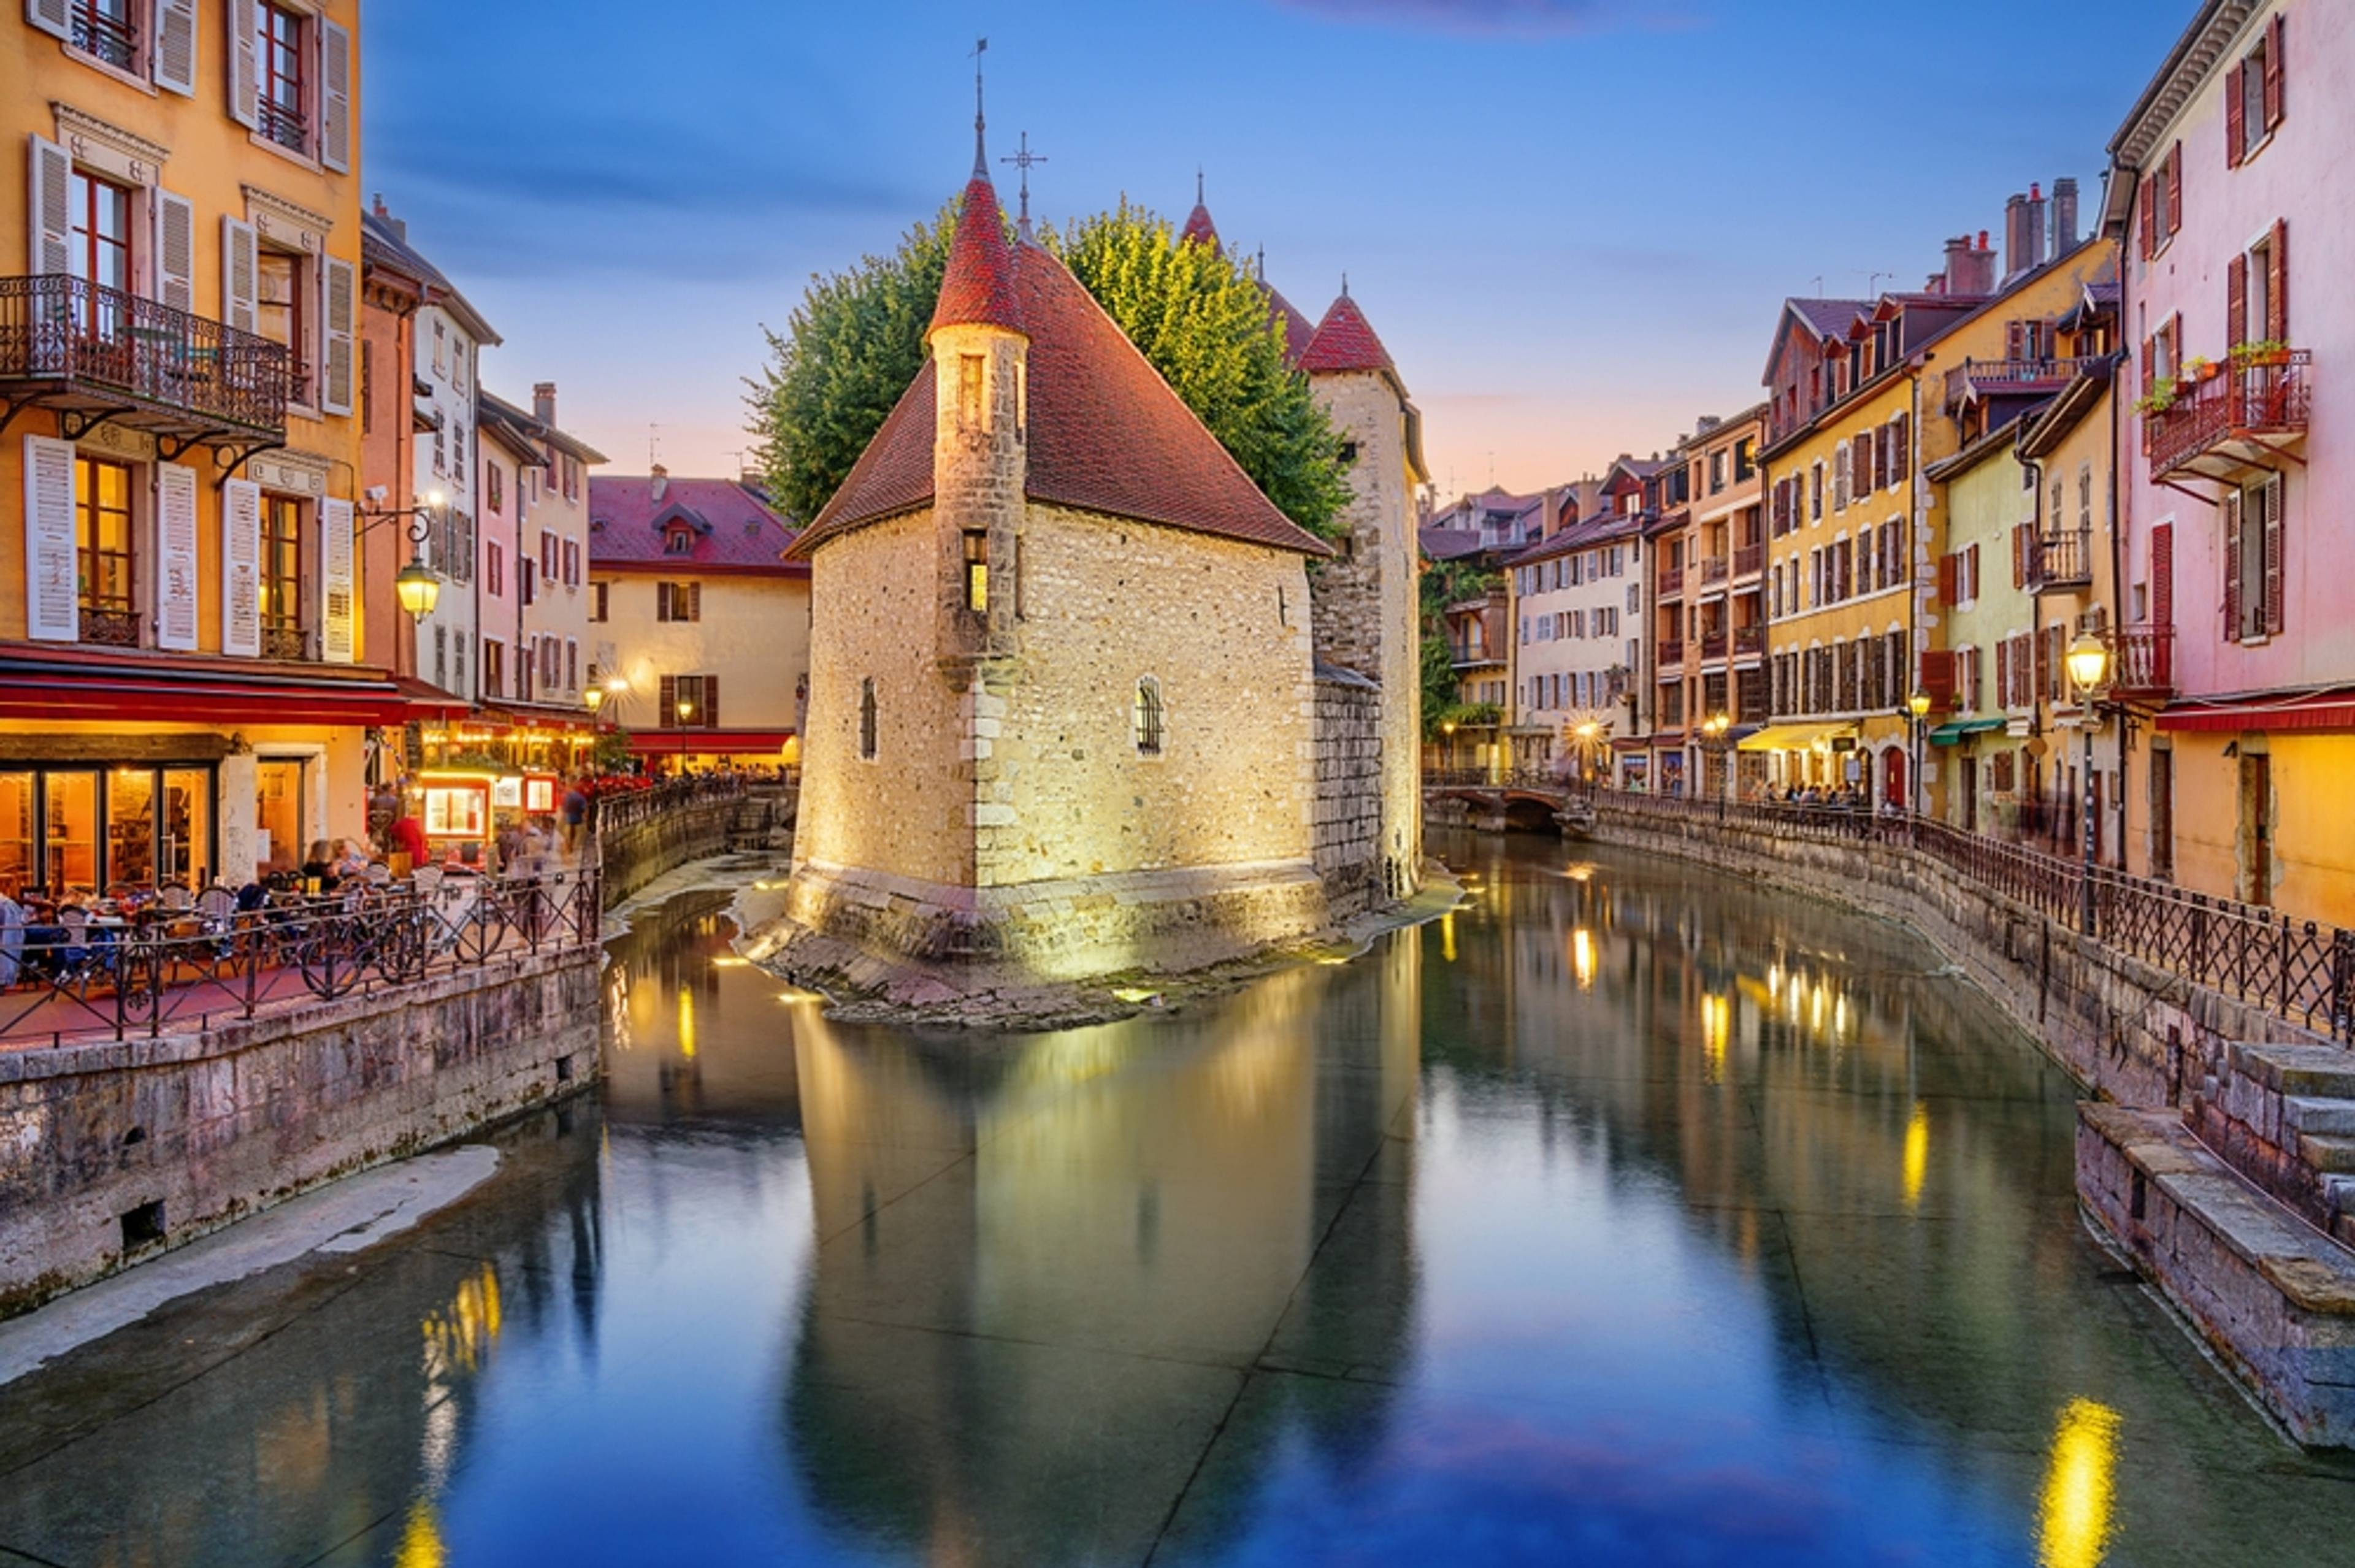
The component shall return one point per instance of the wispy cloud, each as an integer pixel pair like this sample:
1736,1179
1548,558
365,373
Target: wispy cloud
1507,18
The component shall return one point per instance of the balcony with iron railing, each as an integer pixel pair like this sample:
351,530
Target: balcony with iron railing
1750,639
2010,377
2062,561
2143,662
1473,655
1749,559
2244,412
1672,651
1672,581
109,39
1713,643
1714,570
94,353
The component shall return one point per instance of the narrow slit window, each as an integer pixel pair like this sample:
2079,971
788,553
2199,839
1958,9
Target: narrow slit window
1148,717
973,377
867,718
977,572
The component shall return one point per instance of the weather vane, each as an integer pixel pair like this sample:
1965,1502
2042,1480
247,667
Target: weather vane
980,157
1023,160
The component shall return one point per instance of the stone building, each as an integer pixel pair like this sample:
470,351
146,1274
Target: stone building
1064,703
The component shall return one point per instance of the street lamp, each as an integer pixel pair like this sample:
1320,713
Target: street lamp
1713,740
1918,707
686,712
1588,734
2088,660
417,586
1447,728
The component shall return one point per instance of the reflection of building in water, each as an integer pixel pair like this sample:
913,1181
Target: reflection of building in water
1079,1246
691,1029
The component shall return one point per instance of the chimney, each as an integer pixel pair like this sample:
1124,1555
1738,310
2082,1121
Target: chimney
661,485
543,403
2065,215
2035,225
2015,235
1958,265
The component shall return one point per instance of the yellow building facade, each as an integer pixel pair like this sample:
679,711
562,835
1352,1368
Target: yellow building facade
1855,529
185,695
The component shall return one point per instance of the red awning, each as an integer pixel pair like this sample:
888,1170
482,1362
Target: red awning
2330,709
672,742
89,684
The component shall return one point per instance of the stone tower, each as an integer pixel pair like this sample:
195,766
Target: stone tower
1363,603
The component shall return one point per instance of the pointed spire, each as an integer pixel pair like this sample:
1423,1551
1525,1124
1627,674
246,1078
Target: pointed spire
980,147
1199,226
1345,340
1197,184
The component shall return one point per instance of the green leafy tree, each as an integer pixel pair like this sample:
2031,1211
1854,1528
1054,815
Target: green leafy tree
1445,582
851,347
858,339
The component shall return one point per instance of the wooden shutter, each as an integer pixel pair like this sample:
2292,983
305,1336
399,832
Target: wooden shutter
51,221
2277,40
2003,673
2149,363
174,64
2019,558
175,250
175,551
2233,566
335,96
2015,340
712,701
1901,461
244,62
2175,188
2043,656
695,601
240,274
341,289
2277,282
1881,463
338,623
1971,572
2162,574
50,17
2236,300
52,579
2274,493
666,702
1950,580
240,509
2147,226
2236,127
1939,678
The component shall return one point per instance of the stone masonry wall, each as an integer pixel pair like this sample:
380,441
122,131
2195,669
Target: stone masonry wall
632,857
1348,818
206,1127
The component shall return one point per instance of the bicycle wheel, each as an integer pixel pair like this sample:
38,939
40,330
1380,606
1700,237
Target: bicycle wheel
328,959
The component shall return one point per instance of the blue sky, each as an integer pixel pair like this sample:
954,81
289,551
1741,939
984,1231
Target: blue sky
1571,220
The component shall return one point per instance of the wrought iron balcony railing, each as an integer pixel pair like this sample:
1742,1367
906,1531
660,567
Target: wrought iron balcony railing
2062,561
110,39
1713,643
1749,559
1750,639
2014,375
1713,571
1672,581
73,344
2238,412
2144,657
1672,651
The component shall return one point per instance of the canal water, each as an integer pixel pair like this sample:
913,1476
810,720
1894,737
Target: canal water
1628,1215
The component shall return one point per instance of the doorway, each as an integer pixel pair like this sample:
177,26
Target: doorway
278,814
1893,778
2256,828
2162,814
1970,794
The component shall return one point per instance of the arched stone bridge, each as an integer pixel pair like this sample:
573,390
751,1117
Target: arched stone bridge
1493,802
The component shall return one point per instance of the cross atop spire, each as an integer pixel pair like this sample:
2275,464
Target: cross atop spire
1023,160
980,152
1197,184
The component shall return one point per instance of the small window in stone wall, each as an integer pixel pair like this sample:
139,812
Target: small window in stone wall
1147,718
866,720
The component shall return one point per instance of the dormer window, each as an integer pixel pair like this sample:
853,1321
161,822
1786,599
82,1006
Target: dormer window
678,539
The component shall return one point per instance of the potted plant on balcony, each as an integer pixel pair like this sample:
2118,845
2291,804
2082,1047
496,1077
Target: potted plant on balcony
2199,369
2261,351
2158,400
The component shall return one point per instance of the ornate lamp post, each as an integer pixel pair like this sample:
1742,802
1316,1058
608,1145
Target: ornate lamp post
686,712
1588,734
1713,740
2089,671
1917,709
417,586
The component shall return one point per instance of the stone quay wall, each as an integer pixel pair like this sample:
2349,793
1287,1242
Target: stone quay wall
1346,828
637,853
113,1152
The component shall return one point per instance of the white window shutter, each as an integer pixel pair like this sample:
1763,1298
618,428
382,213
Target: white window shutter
50,17
337,633
175,59
51,223
240,274
341,286
175,579
244,62
52,586
175,250
241,568
336,97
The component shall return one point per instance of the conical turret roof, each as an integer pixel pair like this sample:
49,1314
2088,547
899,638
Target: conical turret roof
978,289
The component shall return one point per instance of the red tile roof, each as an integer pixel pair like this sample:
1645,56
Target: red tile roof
1297,328
729,526
1345,340
1107,434
978,286
1199,228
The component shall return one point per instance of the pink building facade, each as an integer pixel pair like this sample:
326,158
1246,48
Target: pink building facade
2235,640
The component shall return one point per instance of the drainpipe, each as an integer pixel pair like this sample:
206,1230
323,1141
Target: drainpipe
1918,543
2117,584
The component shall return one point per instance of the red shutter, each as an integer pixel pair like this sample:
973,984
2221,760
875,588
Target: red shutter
2274,62
2274,493
2233,566
1938,676
2149,363
2236,130
2236,301
2162,574
1949,580
2175,188
2019,556
711,702
2015,340
2043,666
2146,231
2003,674
2278,285
666,702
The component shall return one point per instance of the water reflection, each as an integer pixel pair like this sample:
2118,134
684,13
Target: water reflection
1628,1215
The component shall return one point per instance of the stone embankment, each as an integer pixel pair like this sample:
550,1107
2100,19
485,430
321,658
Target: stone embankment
642,837
2219,1150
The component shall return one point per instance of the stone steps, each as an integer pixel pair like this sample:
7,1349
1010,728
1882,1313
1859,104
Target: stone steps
2317,1116
2317,1072
2330,1156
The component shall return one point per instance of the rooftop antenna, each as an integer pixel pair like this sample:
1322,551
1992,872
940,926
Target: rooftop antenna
1819,286
980,157
1023,160
654,438
1345,285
